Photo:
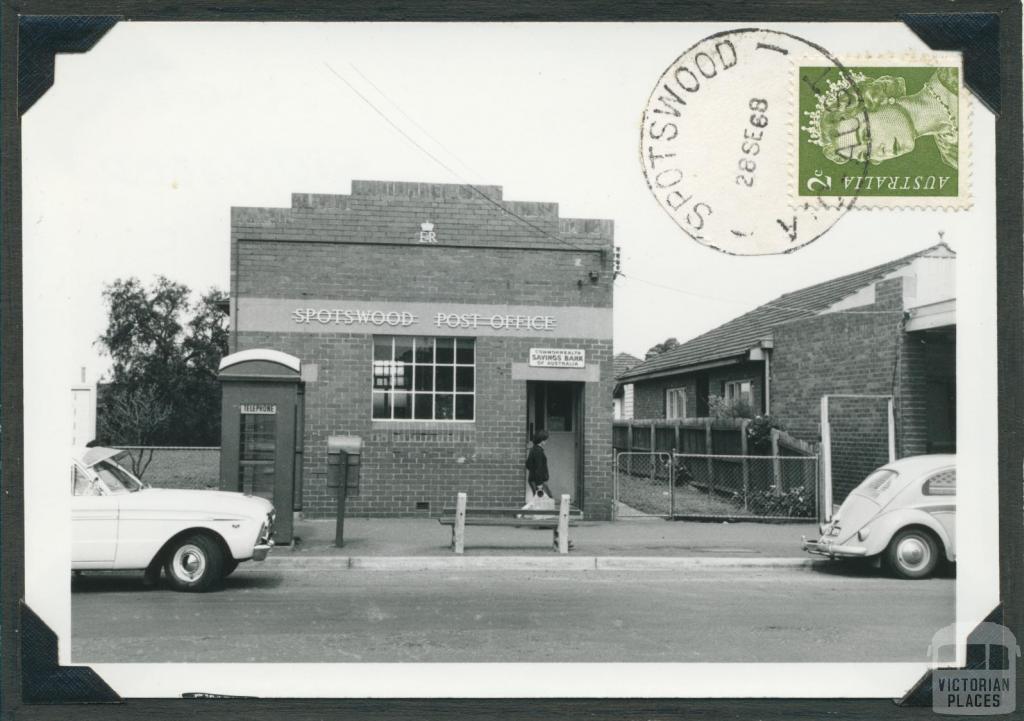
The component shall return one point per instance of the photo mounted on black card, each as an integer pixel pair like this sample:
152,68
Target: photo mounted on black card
511,359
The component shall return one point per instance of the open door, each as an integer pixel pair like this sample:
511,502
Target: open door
556,406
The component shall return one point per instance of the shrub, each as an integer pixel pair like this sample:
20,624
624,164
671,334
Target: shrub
759,433
794,503
719,407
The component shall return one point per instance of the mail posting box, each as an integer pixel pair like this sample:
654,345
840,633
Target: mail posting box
344,454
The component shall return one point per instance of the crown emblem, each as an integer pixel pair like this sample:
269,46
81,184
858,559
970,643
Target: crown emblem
427,234
829,101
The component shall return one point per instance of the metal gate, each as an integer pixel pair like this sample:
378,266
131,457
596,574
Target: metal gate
643,484
716,486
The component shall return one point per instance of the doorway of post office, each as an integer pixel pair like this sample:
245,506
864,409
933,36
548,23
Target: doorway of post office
556,406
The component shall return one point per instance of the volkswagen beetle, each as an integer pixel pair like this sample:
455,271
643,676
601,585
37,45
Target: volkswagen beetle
903,513
197,537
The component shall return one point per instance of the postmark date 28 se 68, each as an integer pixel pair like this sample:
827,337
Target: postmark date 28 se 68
751,145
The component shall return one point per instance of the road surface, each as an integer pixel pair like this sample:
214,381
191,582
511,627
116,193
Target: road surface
283,614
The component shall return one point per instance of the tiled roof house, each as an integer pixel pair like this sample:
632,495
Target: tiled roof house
889,330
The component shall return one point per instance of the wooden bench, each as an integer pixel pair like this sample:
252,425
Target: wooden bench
557,520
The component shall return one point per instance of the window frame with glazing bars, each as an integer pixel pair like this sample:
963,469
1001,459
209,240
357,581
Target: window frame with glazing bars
739,384
680,407
423,375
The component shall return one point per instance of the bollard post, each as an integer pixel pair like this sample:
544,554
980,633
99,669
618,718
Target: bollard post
460,523
563,524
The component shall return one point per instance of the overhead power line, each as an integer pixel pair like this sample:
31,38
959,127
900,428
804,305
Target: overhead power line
462,181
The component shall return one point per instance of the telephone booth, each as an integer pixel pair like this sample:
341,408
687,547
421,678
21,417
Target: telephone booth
262,429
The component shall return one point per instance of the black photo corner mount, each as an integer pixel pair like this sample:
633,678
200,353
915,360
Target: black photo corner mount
921,693
40,37
976,35
44,680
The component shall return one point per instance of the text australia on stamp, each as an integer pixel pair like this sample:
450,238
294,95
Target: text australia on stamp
906,116
757,142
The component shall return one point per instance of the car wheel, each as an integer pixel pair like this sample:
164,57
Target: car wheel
229,567
194,563
913,553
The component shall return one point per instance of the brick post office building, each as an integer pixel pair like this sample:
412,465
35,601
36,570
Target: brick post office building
443,325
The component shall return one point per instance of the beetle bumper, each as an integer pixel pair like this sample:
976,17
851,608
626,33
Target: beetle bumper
824,547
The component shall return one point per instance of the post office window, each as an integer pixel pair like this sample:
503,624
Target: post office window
942,483
675,403
424,378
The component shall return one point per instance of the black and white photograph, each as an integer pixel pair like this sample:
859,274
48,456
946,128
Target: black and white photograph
495,360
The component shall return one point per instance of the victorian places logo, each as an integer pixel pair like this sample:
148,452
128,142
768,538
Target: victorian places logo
986,684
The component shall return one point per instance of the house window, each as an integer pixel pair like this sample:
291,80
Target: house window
675,403
737,391
424,378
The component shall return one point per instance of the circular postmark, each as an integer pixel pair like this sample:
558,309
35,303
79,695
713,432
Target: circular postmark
721,135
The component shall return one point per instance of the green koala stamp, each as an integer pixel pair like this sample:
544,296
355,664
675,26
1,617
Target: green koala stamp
870,131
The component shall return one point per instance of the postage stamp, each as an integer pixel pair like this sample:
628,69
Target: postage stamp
903,120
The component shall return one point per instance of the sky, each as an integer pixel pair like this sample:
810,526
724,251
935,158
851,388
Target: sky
134,158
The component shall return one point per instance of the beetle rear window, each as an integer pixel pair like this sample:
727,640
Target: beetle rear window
942,483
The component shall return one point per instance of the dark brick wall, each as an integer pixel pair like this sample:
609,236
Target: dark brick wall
843,353
753,372
650,394
927,357
364,246
835,353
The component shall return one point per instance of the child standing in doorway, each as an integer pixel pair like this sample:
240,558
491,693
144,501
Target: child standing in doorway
537,467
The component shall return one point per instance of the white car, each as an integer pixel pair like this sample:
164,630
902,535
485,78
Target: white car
904,512
197,537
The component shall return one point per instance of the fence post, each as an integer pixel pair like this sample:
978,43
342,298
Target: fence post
745,464
776,463
826,461
676,433
629,448
891,418
654,473
672,480
709,449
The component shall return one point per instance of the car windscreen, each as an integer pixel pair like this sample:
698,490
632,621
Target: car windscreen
116,479
880,485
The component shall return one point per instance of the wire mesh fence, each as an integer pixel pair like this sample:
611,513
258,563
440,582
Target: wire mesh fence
643,483
700,485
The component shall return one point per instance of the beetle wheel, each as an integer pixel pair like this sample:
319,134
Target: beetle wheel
194,563
913,553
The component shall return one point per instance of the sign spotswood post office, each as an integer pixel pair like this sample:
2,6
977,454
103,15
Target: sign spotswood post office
441,326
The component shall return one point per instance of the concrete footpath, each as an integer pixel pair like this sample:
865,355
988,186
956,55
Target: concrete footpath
625,544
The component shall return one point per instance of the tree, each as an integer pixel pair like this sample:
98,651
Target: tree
166,349
667,344
135,417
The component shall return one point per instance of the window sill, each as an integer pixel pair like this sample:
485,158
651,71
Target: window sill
406,425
